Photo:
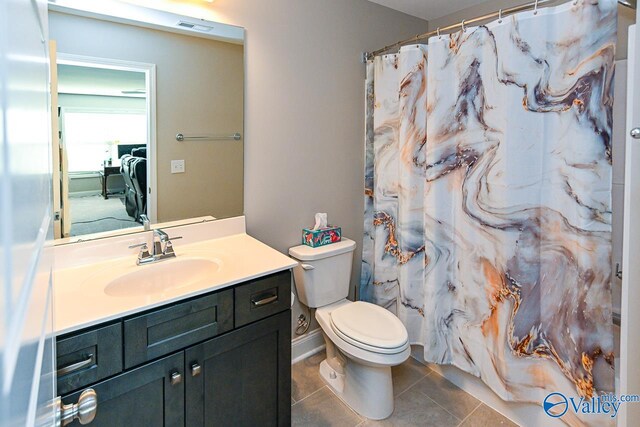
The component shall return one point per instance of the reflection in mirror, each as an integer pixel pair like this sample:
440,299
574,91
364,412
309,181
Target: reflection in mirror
103,129
124,92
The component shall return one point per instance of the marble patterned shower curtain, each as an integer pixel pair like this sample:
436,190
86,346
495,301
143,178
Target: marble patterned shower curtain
488,199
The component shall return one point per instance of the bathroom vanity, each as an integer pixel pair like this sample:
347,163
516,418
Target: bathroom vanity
216,351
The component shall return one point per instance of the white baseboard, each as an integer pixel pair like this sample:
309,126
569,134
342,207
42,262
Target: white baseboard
523,414
74,194
306,345
112,192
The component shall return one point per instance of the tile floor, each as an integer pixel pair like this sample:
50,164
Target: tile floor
423,398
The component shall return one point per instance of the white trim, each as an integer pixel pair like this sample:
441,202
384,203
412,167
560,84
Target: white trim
307,345
80,194
629,337
105,63
99,93
104,110
152,158
150,82
84,175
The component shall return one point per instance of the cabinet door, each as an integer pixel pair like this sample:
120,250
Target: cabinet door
141,397
242,378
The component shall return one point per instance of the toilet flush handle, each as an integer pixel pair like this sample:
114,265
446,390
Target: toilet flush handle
307,266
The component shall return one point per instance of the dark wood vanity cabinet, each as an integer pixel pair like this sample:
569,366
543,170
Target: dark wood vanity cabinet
220,359
240,379
145,396
172,328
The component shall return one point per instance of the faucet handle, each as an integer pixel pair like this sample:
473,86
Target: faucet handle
142,246
143,255
168,248
144,250
145,222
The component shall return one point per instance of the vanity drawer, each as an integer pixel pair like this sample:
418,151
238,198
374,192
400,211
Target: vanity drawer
88,357
262,297
163,331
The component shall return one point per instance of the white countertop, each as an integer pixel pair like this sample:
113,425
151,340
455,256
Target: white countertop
80,299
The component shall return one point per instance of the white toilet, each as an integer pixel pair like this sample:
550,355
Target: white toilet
363,340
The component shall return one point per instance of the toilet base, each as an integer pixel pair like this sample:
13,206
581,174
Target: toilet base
366,389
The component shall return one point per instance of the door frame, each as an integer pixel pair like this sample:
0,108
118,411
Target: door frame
629,337
150,86
55,142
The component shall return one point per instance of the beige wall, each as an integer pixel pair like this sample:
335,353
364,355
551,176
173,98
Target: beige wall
626,17
199,91
304,113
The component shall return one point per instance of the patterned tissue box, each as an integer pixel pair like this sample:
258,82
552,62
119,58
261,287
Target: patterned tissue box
321,236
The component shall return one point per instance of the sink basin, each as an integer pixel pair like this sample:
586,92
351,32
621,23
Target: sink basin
162,277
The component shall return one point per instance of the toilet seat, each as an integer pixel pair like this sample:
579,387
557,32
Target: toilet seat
369,327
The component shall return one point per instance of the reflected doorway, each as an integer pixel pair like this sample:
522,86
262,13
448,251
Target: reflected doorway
105,145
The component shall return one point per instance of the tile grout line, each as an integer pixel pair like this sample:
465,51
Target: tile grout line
407,389
472,411
306,397
445,409
469,414
360,418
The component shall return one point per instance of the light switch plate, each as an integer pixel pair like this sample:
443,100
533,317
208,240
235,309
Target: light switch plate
177,166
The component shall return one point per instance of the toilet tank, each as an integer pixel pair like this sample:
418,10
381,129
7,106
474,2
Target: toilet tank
323,274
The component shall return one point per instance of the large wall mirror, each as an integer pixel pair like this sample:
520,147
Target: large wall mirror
149,119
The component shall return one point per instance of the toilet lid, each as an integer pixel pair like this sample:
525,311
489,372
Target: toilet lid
369,326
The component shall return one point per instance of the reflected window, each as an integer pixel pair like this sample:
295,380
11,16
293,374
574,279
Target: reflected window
92,138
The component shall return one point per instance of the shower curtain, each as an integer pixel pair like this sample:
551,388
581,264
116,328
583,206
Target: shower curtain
488,199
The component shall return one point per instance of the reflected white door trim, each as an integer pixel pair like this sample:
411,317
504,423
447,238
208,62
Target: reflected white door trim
150,82
629,337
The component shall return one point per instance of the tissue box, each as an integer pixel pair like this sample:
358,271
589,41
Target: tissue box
321,236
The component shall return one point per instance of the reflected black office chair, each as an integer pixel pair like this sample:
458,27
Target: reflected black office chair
139,180
130,199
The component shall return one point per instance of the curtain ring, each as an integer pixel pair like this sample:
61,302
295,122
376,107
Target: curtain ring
535,8
438,32
462,24
500,16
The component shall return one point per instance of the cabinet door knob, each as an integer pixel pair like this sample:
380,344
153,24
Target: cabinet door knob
196,369
176,378
84,411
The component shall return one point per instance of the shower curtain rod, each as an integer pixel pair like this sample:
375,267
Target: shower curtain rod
632,4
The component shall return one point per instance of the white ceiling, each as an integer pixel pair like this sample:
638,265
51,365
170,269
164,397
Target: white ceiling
428,9
74,79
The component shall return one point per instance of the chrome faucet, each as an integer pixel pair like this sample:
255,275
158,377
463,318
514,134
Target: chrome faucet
161,248
145,222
